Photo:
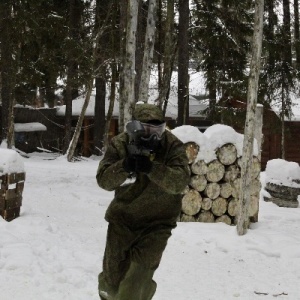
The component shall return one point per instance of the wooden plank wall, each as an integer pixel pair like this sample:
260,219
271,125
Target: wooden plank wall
292,142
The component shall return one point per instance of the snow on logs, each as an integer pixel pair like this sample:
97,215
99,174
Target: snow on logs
215,165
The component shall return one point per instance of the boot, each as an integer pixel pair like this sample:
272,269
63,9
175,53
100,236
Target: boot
137,284
106,292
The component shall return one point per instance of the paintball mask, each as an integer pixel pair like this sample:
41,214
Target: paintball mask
154,128
152,134
146,135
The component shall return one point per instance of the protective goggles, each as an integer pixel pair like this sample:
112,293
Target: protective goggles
154,129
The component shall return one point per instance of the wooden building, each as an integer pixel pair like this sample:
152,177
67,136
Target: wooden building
52,138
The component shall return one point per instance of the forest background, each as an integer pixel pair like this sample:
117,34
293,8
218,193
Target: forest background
73,46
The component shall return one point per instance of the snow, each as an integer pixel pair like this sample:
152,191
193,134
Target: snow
196,88
29,127
214,137
10,162
283,172
54,250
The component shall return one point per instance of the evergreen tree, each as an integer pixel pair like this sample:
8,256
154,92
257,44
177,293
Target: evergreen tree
220,34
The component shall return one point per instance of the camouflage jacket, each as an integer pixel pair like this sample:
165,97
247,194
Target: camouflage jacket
153,197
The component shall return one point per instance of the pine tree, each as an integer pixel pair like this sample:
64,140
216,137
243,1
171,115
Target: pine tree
220,33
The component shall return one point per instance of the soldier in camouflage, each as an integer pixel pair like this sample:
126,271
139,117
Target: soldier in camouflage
142,214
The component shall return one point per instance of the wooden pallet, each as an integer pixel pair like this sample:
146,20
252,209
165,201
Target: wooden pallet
11,189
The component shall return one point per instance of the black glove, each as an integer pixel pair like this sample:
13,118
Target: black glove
129,164
143,164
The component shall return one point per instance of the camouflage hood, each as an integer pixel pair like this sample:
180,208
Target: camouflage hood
147,112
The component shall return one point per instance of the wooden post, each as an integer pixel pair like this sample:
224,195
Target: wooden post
86,138
258,135
11,199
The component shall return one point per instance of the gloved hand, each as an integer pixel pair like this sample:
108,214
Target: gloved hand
143,164
129,164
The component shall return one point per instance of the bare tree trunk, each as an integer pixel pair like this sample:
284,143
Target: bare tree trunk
282,115
6,68
159,44
140,45
271,26
123,22
183,63
148,52
74,141
287,49
74,16
245,190
111,103
168,51
296,33
129,67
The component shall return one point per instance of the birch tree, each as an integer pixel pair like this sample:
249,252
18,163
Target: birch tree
244,197
8,72
129,66
148,52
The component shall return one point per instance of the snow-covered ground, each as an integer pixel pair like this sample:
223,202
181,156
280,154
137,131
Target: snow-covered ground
55,248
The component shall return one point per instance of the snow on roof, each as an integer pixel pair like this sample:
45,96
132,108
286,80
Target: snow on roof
214,137
28,127
196,88
283,172
295,116
10,162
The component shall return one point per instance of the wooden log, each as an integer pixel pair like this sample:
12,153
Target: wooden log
227,154
233,206
219,206
187,218
255,187
192,150
224,219
199,167
255,167
2,201
232,172
198,182
212,190
282,191
191,203
236,187
215,171
253,206
186,190
226,190
206,217
206,203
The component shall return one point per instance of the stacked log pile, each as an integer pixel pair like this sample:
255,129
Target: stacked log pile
213,192
282,195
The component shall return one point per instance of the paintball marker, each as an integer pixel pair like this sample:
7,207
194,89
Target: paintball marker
136,132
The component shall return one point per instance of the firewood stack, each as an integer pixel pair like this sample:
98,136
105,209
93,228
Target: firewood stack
213,192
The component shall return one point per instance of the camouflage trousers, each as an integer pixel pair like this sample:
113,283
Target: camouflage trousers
130,260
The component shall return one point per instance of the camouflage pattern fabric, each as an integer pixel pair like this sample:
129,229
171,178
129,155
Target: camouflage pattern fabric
147,112
142,214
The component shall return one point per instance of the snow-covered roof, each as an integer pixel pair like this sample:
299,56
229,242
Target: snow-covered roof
196,88
28,127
